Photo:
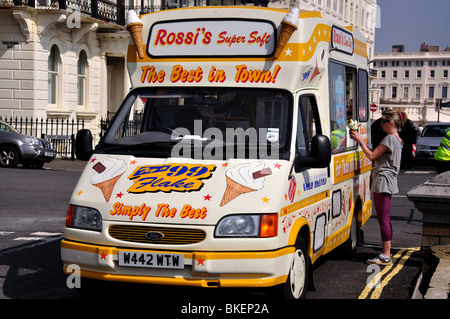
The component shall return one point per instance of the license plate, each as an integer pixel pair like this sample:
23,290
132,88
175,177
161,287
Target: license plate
151,260
49,154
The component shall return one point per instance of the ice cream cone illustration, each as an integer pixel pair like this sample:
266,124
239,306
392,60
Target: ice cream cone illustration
134,26
233,190
288,26
244,178
315,73
107,187
106,175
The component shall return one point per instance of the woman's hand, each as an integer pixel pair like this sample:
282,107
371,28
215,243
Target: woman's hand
354,135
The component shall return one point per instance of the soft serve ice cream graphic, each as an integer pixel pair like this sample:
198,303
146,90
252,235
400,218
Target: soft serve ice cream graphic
106,175
244,178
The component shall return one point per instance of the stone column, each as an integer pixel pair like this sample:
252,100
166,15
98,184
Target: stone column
432,198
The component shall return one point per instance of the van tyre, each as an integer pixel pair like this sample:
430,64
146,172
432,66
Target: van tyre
299,272
350,246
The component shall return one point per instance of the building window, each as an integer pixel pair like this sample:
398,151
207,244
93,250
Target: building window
431,92
406,74
419,74
445,74
53,75
81,78
418,92
394,92
444,92
382,92
394,74
406,92
383,74
432,74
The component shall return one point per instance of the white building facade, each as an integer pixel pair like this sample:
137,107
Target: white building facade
65,59
416,82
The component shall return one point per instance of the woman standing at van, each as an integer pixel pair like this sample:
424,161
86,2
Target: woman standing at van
386,166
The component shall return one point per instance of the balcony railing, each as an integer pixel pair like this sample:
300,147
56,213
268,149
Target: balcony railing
106,10
111,10
409,101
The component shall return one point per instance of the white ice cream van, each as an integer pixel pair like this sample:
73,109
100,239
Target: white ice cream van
229,163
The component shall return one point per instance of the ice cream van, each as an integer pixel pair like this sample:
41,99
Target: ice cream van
229,163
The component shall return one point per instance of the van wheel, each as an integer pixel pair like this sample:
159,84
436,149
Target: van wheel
350,246
295,286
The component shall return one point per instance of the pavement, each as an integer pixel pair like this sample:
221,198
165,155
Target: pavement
66,165
438,287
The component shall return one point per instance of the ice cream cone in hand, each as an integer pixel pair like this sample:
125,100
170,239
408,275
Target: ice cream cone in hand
353,125
288,26
134,27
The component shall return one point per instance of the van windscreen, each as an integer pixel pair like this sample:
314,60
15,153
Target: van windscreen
207,123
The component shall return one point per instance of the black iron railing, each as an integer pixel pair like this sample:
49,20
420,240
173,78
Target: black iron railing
113,11
106,10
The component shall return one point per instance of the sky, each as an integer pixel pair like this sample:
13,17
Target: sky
412,22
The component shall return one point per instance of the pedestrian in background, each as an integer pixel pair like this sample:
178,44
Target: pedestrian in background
386,159
442,156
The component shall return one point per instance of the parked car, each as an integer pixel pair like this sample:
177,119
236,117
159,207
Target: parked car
29,151
428,142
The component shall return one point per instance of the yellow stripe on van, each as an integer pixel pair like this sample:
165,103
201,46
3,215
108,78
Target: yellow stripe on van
303,203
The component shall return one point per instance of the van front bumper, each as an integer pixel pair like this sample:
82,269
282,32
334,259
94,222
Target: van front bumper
202,269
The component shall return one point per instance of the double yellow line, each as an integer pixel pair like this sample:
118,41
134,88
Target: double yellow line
376,285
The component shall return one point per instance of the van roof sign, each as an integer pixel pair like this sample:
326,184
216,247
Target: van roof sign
206,37
342,40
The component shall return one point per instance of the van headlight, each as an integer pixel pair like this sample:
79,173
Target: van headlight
247,226
83,218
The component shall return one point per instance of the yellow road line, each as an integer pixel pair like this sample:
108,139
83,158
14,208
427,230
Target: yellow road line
378,288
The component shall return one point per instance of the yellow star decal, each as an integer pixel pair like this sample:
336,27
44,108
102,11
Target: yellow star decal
265,199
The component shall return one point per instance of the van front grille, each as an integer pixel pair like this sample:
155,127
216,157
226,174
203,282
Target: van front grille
163,236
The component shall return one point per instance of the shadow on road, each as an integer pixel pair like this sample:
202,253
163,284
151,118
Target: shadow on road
33,271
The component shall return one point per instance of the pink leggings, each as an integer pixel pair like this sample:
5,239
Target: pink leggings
382,203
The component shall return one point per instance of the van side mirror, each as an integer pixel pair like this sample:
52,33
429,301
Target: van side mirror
83,145
320,154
